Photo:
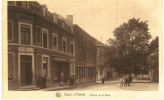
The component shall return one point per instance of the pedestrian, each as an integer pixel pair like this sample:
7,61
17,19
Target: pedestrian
102,80
71,81
66,79
40,81
44,80
122,81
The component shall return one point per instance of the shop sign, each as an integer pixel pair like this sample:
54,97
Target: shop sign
61,59
25,49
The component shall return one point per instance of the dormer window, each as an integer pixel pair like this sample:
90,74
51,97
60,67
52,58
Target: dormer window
71,29
44,11
55,19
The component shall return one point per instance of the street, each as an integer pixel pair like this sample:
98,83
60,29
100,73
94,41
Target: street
116,87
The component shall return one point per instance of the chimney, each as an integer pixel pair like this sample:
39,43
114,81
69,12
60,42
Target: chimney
69,18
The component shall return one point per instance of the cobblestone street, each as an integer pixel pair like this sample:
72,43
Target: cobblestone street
116,87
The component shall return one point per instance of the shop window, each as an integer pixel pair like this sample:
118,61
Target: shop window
45,65
77,72
25,34
10,30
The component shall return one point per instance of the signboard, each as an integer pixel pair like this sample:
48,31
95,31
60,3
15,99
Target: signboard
61,59
25,49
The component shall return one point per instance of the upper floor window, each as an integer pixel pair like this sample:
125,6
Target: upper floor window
25,33
55,42
26,4
72,48
64,44
10,30
38,34
45,38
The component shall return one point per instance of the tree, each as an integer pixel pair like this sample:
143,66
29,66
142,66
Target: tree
153,58
131,44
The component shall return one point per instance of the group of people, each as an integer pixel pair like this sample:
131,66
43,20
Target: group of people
64,79
42,81
126,80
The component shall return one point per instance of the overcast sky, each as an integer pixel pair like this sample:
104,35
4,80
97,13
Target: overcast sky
101,17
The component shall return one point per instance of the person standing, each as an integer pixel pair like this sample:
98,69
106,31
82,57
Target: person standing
44,80
71,81
66,79
40,81
102,80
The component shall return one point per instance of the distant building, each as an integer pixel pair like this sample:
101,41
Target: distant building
85,55
100,66
103,67
38,42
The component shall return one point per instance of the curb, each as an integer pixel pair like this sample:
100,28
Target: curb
71,87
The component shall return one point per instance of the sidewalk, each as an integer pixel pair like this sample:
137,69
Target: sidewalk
68,87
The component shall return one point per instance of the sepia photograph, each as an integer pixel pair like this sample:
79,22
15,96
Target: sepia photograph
60,47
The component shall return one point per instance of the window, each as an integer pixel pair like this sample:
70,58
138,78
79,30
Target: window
44,11
26,4
45,65
71,29
38,34
11,3
64,45
25,34
72,48
84,72
55,19
45,38
55,42
77,72
10,30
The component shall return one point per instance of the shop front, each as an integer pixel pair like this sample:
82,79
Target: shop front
60,69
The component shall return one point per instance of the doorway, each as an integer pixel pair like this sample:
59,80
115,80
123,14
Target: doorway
26,70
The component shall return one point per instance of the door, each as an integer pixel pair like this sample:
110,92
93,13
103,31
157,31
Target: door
26,70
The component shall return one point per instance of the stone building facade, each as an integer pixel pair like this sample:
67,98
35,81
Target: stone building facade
38,42
85,56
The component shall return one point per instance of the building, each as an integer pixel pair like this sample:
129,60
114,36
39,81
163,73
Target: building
85,56
100,66
38,42
103,66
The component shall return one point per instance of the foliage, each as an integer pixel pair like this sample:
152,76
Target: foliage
153,57
131,45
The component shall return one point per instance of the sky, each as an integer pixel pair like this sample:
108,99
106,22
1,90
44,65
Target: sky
99,18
